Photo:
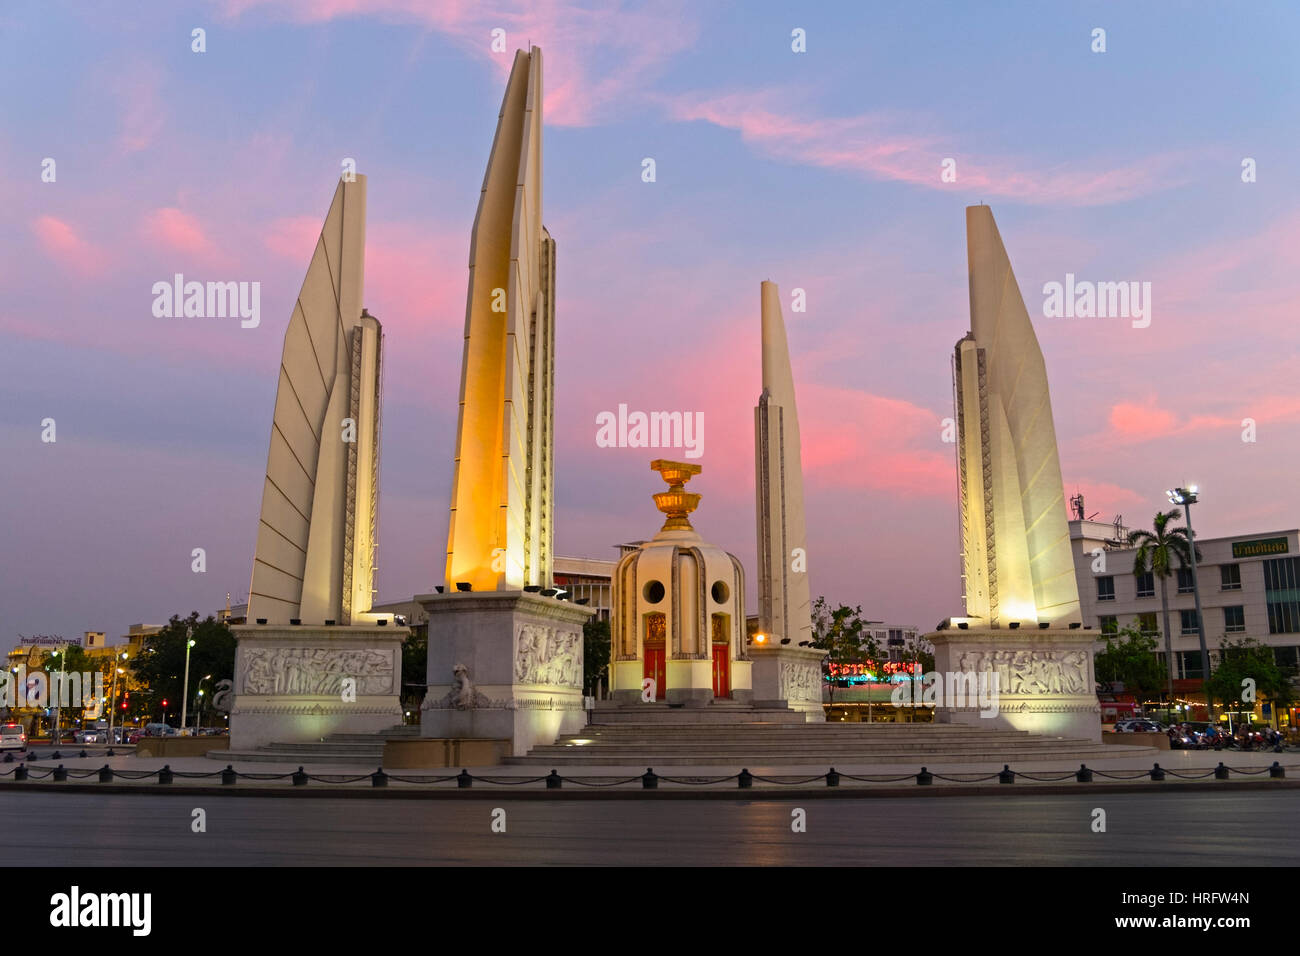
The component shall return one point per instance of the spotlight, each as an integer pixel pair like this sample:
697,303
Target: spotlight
464,586
438,588
785,640
963,626
1074,625
1042,625
532,588
582,601
295,620
261,620
330,622
1014,625
548,592
383,622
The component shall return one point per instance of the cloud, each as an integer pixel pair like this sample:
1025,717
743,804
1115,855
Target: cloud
177,230
143,113
886,146
63,244
597,54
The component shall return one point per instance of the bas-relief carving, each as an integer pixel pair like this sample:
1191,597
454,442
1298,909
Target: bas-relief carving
548,655
800,681
316,670
1026,673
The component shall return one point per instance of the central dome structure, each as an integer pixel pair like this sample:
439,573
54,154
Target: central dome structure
679,611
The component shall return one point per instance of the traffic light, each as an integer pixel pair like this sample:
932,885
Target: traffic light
164,701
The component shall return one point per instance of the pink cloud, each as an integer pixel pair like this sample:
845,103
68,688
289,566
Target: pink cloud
177,230
881,146
62,243
597,54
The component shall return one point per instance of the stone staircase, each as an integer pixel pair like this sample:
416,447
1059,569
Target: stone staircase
681,736
365,750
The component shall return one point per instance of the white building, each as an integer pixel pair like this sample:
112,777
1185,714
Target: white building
1249,584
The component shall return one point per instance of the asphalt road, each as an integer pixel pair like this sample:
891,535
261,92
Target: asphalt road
1179,829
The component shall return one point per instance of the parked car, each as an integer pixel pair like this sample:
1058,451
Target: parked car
1138,726
13,737
90,736
159,730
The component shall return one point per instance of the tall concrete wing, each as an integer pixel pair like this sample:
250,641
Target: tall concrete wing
316,537
500,534
1016,542
784,601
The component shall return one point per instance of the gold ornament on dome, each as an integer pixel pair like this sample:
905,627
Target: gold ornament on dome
676,502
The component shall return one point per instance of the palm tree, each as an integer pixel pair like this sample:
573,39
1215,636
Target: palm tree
1156,552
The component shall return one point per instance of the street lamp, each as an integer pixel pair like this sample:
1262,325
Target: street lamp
1187,497
58,694
199,701
185,691
112,696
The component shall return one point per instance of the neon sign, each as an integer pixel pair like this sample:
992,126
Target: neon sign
871,671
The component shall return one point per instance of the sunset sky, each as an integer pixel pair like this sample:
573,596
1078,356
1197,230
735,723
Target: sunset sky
816,170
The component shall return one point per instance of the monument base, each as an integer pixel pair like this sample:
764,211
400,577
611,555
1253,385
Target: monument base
1045,680
504,665
297,683
790,675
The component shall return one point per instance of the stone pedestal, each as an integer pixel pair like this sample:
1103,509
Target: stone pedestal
789,674
1046,683
503,665
291,682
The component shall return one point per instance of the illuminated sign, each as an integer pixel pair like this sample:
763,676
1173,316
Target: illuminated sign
1260,547
873,672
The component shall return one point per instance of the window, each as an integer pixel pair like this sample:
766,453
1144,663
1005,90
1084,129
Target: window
1282,594
1230,577
1234,619
1185,581
1147,623
1146,584
1189,623
1190,664
1286,656
1106,588
1109,624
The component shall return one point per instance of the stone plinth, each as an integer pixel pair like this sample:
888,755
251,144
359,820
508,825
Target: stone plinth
790,675
503,665
290,682
1046,683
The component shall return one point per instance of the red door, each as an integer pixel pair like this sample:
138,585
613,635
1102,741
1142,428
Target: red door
721,670
656,670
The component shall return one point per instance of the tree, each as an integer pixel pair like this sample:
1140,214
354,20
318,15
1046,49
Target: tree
1246,671
415,669
1129,658
1157,551
160,666
838,631
595,653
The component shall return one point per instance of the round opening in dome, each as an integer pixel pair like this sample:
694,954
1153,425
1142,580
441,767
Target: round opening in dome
720,592
653,592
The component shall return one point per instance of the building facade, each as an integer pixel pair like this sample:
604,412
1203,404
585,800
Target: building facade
1249,584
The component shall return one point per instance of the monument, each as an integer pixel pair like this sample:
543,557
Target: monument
1023,622
505,648
784,667
500,532
317,661
677,628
